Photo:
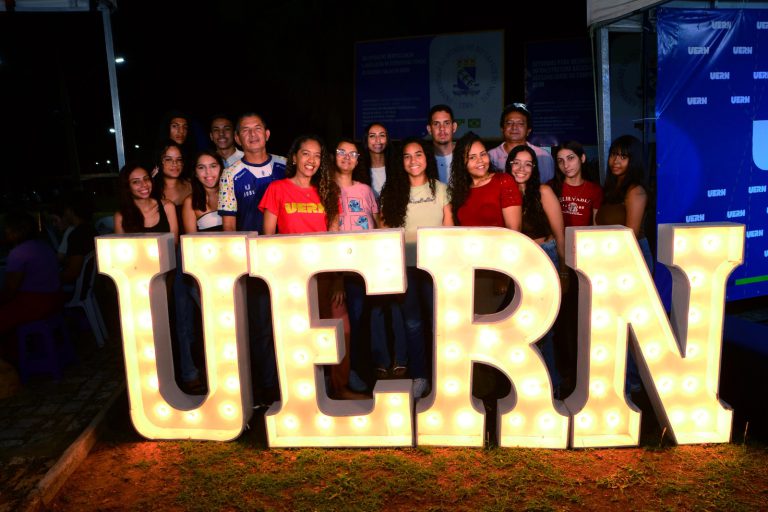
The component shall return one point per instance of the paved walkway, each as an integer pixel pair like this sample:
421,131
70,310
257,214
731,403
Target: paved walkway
38,424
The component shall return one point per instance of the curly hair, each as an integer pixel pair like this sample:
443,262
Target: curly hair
322,180
532,206
199,198
461,181
133,219
158,182
396,193
615,190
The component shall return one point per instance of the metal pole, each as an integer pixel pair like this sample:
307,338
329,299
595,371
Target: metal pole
603,98
105,16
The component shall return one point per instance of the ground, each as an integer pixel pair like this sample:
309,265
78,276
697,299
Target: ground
125,472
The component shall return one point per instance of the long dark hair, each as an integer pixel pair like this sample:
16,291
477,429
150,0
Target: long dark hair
615,191
133,219
322,180
559,179
199,197
365,156
532,196
461,181
158,185
397,190
359,173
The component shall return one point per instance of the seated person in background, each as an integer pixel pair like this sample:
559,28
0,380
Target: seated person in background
77,212
31,290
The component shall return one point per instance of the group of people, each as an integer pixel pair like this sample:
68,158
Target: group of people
375,183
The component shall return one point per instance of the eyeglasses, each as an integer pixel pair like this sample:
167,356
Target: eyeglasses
520,163
173,161
351,154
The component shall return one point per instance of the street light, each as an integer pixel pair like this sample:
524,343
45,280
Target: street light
111,130
119,60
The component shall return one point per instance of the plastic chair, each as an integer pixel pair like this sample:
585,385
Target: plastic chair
84,298
44,347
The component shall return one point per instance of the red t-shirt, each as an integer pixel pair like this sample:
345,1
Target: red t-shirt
298,209
578,203
484,203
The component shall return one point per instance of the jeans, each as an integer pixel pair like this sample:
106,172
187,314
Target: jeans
260,333
184,306
420,291
379,350
354,289
547,343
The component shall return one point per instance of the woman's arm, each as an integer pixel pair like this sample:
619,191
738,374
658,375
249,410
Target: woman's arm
447,215
270,222
377,220
634,203
188,217
513,217
554,214
173,222
119,223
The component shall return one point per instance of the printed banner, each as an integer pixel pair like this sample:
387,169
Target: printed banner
397,81
712,128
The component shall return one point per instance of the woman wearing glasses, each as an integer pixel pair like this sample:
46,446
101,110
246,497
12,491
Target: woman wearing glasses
542,223
358,211
412,198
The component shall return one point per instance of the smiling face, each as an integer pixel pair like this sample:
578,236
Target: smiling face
140,183
522,167
569,163
346,157
173,163
208,171
178,129
222,133
252,135
377,139
307,159
477,161
415,161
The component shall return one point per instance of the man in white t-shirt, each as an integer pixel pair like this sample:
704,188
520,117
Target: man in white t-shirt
516,126
222,135
442,127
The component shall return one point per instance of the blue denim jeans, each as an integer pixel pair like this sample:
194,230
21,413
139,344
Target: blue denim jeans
547,343
380,306
184,306
420,292
262,343
354,289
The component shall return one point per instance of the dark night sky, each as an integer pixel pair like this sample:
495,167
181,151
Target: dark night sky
291,60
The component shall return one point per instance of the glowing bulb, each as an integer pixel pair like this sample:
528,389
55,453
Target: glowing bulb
163,410
510,253
301,357
124,252
711,242
610,246
452,352
585,420
452,283
395,420
346,250
690,384
291,422
626,282
534,283
304,389
224,284
295,290
612,419
435,247
208,251
488,338
227,410
525,317
700,417
465,419
653,350
451,387
597,387
692,350
697,279
360,421
230,352
323,421
323,340
227,320
665,385
149,353
517,356
599,353
274,255
600,284
677,416
232,383
516,420
586,248
530,387
311,253
434,419
395,400
600,319
299,324
452,317
546,422
639,316
681,245
145,320
694,315
152,253
153,383
192,416
473,247
237,250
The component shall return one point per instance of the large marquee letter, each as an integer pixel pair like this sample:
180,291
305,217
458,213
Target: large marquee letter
450,415
680,373
159,409
306,416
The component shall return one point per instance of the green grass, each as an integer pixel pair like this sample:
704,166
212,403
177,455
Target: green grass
243,475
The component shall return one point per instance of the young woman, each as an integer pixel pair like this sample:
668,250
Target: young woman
358,211
171,182
580,199
139,211
542,223
624,194
479,195
308,183
201,209
411,198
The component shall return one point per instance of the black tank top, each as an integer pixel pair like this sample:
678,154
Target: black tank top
162,225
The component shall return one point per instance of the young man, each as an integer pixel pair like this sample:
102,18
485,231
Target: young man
441,127
242,187
222,135
516,126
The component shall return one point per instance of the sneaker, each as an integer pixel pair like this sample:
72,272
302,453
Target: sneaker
399,372
420,388
382,374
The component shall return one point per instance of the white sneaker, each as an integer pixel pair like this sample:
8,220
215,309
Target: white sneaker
420,388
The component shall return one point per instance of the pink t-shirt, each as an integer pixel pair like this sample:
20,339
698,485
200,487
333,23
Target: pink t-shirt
298,209
356,208
578,203
484,204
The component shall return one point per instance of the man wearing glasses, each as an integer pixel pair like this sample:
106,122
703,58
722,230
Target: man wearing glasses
516,126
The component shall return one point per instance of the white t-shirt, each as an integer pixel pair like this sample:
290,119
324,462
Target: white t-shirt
378,177
444,167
